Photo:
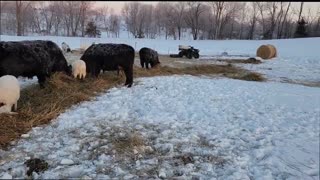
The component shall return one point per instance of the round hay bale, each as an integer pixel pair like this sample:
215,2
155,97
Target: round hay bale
274,49
266,51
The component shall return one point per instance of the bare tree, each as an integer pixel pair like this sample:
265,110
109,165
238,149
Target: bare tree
282,21
36,20
218,8
102,16
130,12
21,7
242,9
179,11
253,20
114,21
301,8
58,16
84,8
165,19
192,17
2,7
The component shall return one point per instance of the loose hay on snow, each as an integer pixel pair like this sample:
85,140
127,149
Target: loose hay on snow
39,106
267,51
244,61
127,143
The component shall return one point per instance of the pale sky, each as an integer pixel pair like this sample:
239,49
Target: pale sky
117,5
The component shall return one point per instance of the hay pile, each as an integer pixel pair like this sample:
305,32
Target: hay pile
267,51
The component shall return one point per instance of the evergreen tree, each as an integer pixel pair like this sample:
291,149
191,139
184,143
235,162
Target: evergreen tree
301,29
92,30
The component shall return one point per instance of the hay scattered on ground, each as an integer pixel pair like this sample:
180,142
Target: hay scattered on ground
244,61
252,76
39,106
126,144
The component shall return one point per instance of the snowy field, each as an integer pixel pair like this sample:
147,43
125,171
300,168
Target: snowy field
257,130
298,59
229,129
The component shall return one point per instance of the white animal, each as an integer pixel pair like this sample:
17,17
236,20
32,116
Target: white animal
79,69
65,47
9,94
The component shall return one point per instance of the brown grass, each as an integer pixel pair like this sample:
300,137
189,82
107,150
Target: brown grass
39,106
249,76
126,144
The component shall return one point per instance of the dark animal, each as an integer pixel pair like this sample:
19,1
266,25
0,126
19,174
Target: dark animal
110,57
32,58
148,56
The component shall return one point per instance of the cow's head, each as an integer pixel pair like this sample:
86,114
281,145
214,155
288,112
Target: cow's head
69,71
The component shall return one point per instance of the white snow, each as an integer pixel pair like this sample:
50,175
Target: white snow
66,162
25,135
297,60
24,82
6,176
231,129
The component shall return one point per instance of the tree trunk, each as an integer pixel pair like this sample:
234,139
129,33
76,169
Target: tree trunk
18,17
284,20
301,7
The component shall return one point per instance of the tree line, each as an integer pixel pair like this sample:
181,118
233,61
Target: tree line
203,20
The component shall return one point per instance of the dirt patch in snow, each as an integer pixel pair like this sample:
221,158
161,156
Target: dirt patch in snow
36,165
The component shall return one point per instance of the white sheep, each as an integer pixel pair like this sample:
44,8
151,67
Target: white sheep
9,94
79,69
65,47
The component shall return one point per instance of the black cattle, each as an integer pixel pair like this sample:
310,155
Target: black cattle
31,58
148,56
110,57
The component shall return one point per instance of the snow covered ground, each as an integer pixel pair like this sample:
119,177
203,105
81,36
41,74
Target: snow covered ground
24,82
229,129
298,59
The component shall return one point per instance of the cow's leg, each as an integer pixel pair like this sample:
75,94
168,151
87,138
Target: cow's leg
97,71
129,76
147,65
142,63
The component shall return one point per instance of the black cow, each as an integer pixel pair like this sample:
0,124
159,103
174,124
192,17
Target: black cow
110,57
31,58
148,56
